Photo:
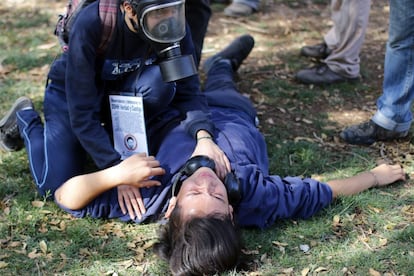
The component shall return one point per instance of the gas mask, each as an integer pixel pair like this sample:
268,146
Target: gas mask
162,23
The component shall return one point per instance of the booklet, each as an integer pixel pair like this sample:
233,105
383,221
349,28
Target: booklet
128,124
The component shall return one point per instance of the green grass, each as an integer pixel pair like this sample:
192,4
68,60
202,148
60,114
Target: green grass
372,230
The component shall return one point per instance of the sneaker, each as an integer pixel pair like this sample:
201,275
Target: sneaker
368,133
319,51
236,52
321,75
238,9
10,139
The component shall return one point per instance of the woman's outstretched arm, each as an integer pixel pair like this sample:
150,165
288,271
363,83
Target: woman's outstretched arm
381,175
136,170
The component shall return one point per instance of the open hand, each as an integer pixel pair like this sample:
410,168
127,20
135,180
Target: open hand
135,172
137,169
386,174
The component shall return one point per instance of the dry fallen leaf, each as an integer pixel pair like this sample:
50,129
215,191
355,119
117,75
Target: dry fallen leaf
46,46
320,269
131,245
63,263
373,272
6,211
54,221
408,210
126,264
45,212
376,210
288,270
14,244
38,204
3,264
306,121
84,252
263,258
383,242
305,271
43,246
389,226
34,254
281,246
270,121
62,225
277,243
43,228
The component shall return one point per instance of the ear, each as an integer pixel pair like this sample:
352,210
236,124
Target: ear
231,212
171,206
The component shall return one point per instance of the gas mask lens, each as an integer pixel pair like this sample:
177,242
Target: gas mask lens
164,23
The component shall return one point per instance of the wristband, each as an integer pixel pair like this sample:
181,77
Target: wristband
376,184
205,137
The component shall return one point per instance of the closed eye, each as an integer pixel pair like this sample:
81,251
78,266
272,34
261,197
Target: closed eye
219,197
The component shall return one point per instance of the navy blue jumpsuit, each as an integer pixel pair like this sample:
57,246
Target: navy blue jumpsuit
266,198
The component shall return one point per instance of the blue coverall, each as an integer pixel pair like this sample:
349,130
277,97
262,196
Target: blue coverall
265,198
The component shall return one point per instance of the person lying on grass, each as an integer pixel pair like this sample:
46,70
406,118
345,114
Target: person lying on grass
204,211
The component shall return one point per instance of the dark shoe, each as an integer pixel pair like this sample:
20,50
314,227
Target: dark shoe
10,139
320,75
236,52
368,133
319,51
238,9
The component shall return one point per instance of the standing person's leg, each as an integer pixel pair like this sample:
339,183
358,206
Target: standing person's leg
394,105
242,8
54,153
345,39
342,45
198,13
322,50
393,117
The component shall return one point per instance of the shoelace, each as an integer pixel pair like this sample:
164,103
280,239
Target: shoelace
321,68
11,132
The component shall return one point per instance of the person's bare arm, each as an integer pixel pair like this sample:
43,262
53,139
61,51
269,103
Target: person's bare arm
379,176
136,170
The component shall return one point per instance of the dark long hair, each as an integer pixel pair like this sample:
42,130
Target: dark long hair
199,246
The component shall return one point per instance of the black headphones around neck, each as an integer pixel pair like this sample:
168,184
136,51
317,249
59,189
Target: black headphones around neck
231,182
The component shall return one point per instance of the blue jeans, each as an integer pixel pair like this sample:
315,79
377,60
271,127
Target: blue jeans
394,105
254,4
